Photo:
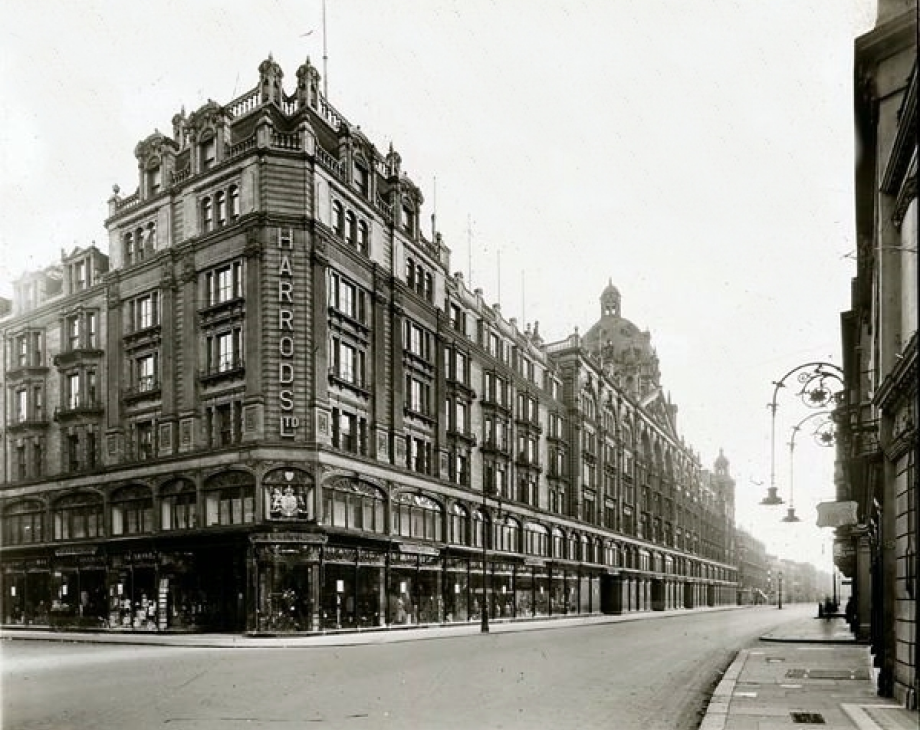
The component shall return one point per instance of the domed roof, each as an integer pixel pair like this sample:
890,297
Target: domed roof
619,343
612,329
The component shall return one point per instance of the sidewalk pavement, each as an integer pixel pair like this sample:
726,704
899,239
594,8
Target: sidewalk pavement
806,672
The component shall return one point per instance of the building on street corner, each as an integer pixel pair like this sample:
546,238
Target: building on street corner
271,407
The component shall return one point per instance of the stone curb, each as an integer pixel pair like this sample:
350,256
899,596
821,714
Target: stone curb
812,640
239,641
716,716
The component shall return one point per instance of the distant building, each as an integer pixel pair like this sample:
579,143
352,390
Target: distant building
273,408
753,566
878,444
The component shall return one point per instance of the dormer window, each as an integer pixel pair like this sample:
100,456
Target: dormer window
79,279
408,216
154,179
361,179
207,151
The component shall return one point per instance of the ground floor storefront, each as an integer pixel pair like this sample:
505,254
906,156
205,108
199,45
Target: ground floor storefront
141,586
293,582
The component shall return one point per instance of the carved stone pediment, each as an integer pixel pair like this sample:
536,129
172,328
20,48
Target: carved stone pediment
151,149
209,116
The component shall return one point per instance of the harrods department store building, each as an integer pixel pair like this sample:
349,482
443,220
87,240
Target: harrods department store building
271,407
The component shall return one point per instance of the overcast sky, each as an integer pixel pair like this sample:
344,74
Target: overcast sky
698,154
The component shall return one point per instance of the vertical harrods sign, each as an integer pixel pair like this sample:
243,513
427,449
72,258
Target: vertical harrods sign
289,421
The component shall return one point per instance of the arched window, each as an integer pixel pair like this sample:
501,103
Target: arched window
220,202
178,506
418,516
338,218
479,521
410,273
288,494
558,543
573,546
150,238
536,539
233,195
508,535
24,523
429,287
354,505
585,553
610,553
207,214
132,510
458,525
229,499
140,244
363,237
78,516
129,248
351,232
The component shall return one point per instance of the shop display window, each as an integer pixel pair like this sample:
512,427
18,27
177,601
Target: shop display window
456,591
26,597
285,597
339,596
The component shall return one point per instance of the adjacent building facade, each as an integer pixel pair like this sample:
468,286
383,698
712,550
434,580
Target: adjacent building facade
878,437
272,408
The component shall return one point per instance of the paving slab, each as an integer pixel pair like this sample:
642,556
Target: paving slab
810,673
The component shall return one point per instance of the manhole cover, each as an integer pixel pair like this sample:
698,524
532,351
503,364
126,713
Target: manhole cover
827,674
838,673
807,718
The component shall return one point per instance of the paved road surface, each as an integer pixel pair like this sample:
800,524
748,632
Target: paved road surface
652,674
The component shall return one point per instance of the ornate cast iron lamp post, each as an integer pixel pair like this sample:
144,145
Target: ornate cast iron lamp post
815,391
484,608
824,435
